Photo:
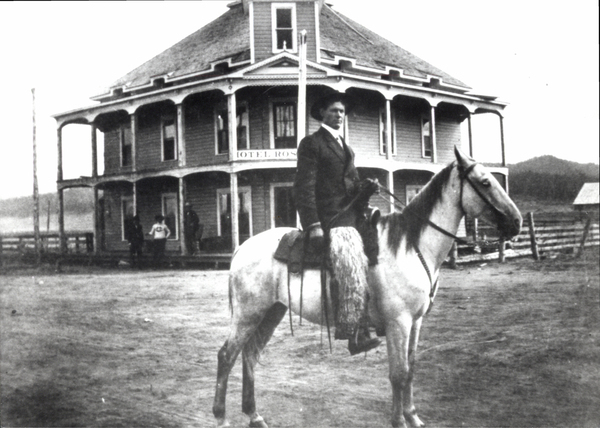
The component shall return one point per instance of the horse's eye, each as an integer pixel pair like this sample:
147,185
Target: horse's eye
486,183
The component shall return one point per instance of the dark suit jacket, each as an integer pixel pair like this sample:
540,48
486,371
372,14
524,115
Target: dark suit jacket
326,178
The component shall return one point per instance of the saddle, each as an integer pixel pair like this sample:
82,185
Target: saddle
295,250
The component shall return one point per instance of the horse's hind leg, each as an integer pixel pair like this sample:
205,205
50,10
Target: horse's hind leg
250,355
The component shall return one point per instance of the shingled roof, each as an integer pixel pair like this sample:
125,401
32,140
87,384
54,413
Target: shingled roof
344,37
228,38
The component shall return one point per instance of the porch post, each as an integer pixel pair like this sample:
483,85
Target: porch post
502,140
94,152
133,120
470,134
96,221
235,228
184,251
62,243
232,126
181,134
390,185
134,193
388,127
433,137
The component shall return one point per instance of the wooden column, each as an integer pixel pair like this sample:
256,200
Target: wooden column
134,194
181,134
235,223
133,119
301,86
388,127
62,243
390,185
232,126
96,220
94,151
470,134
181,199
433,137
502,141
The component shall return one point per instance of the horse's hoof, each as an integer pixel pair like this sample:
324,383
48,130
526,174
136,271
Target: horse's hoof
258,423
222,423
413,420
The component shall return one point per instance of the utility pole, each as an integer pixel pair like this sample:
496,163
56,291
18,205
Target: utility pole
36,196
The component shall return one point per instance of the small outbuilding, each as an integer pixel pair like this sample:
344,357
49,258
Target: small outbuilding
588,199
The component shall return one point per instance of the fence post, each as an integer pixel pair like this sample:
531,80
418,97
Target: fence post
534,247
501,247
586,231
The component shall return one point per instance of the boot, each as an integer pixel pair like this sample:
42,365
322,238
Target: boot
362,342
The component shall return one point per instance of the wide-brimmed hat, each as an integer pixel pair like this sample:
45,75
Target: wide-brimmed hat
326,100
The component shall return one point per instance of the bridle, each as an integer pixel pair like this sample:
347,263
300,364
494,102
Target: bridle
463,174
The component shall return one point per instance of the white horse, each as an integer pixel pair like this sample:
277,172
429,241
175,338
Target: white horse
413,245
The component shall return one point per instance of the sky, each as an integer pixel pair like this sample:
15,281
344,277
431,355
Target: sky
539,56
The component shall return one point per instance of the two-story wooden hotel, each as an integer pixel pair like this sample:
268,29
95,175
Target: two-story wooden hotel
217,115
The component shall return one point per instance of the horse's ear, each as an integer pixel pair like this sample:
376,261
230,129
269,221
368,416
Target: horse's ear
463,160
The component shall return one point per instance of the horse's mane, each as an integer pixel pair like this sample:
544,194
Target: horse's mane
412,220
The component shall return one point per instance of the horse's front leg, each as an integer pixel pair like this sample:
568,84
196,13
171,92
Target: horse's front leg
397,334
409,410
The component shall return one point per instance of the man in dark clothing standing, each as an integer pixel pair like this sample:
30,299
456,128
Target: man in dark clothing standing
135,236
326,182
192,226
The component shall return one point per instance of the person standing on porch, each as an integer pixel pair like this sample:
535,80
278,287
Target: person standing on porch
159,232
326,182
192,227
135,236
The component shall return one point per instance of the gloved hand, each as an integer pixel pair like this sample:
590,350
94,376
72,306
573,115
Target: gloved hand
316,237
368,186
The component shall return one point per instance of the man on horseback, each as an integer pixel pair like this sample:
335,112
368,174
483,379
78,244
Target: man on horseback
331,202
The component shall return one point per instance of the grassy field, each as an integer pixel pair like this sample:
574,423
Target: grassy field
512,345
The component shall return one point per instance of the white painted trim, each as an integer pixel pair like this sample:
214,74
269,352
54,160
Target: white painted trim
272,118
272,188
122,213
381,125
163,119
274,8
317,32
425,116
222,105
174,233
226,191
251,21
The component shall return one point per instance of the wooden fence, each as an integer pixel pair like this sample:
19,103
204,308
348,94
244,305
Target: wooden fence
542,234
78,242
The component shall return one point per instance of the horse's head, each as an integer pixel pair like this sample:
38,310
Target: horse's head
483,197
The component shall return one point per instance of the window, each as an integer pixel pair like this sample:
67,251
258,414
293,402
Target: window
411,191
282,205
222,128
126,216
426,137
383,132
284,125
244,212
169,211
125,142
169,139
283,19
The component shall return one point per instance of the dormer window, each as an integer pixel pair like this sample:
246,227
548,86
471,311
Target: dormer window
283,21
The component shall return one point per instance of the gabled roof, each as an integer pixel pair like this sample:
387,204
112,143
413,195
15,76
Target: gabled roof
588,195
227,40
340,36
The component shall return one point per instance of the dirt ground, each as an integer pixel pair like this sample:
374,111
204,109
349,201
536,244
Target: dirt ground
512,345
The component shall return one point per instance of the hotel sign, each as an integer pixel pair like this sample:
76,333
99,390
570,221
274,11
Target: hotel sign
279,154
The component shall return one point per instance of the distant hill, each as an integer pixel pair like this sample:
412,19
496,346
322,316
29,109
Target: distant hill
77,201
548,178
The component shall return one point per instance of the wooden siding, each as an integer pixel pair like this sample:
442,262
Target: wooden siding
263,42
448,134
363,131
200,134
